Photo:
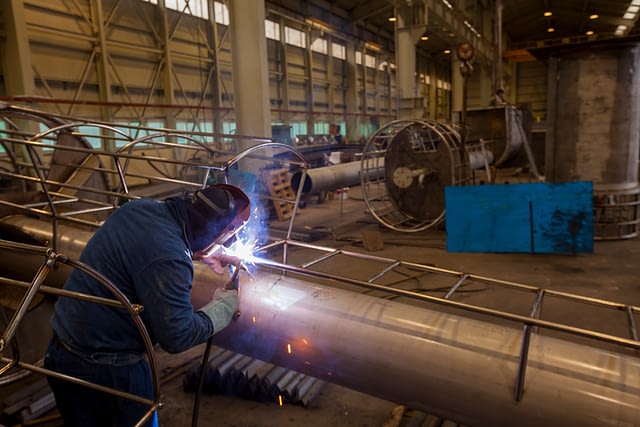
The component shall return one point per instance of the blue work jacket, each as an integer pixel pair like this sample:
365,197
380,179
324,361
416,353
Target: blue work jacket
143,250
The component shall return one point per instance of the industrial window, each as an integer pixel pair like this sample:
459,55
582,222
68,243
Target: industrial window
358,57
3,135
441,84
338,51
321,128
228,128
386,65
366,129
221,13
299,128
370,61
49,138
92,135
193,7
294,37
272,30
319,45
137,130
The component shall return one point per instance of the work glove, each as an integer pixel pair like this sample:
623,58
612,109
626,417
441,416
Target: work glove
221,308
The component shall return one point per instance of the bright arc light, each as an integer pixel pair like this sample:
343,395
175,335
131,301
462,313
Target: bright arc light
242,249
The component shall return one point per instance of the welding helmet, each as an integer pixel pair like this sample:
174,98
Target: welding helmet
217,213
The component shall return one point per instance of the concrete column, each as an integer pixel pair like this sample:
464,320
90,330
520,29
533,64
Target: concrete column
15,59
457,88
167,81
433,91
351,95
594,134
405,59
250,70
216,77
408,91
596,115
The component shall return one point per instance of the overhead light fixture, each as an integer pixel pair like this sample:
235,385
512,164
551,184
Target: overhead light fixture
589,33
550,30
595,15
424,38
373,46
392,19
548,13
633,9
620,30
629,16
635,2
447,51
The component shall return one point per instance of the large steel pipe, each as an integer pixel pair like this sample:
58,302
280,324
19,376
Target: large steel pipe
329,178
458,368
446,364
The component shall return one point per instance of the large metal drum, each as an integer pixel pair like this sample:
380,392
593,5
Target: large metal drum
406,166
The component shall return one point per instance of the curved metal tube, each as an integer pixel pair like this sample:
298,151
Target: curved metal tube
329,178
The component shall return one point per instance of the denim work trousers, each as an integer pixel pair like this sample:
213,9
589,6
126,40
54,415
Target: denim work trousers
82,406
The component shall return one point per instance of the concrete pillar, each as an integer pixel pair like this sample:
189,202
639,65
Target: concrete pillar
457,88
410,103
405,59
351,93
15,58
250,70
594,128
167,76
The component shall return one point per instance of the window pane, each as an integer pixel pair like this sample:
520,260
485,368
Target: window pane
272,30
319,45
338,51
221,13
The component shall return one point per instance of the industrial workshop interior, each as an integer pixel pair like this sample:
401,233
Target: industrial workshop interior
444,206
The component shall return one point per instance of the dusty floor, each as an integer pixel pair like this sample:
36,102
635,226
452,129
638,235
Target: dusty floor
611,272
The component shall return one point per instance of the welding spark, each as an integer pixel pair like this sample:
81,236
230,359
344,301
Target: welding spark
242,249
289,348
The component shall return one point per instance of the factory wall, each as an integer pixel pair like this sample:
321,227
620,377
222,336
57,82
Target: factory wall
133,61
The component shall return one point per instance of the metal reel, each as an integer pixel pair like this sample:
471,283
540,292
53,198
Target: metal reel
406,166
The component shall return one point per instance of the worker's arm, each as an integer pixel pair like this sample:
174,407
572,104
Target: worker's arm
164,289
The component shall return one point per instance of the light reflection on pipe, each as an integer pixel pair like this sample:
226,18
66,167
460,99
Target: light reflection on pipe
448,365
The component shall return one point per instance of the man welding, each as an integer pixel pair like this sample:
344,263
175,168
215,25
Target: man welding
146,249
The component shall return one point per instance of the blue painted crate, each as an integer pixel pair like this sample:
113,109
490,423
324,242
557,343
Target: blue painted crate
533,218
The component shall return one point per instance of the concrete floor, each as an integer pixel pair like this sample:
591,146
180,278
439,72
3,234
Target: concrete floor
611,272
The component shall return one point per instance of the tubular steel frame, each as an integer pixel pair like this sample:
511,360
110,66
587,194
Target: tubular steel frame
25,152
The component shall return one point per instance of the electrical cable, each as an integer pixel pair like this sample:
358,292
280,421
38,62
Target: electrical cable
231,284
203,370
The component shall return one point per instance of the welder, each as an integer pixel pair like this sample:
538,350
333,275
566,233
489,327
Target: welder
146,248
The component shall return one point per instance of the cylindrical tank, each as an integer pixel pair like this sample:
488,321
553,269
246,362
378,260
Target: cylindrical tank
594,110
